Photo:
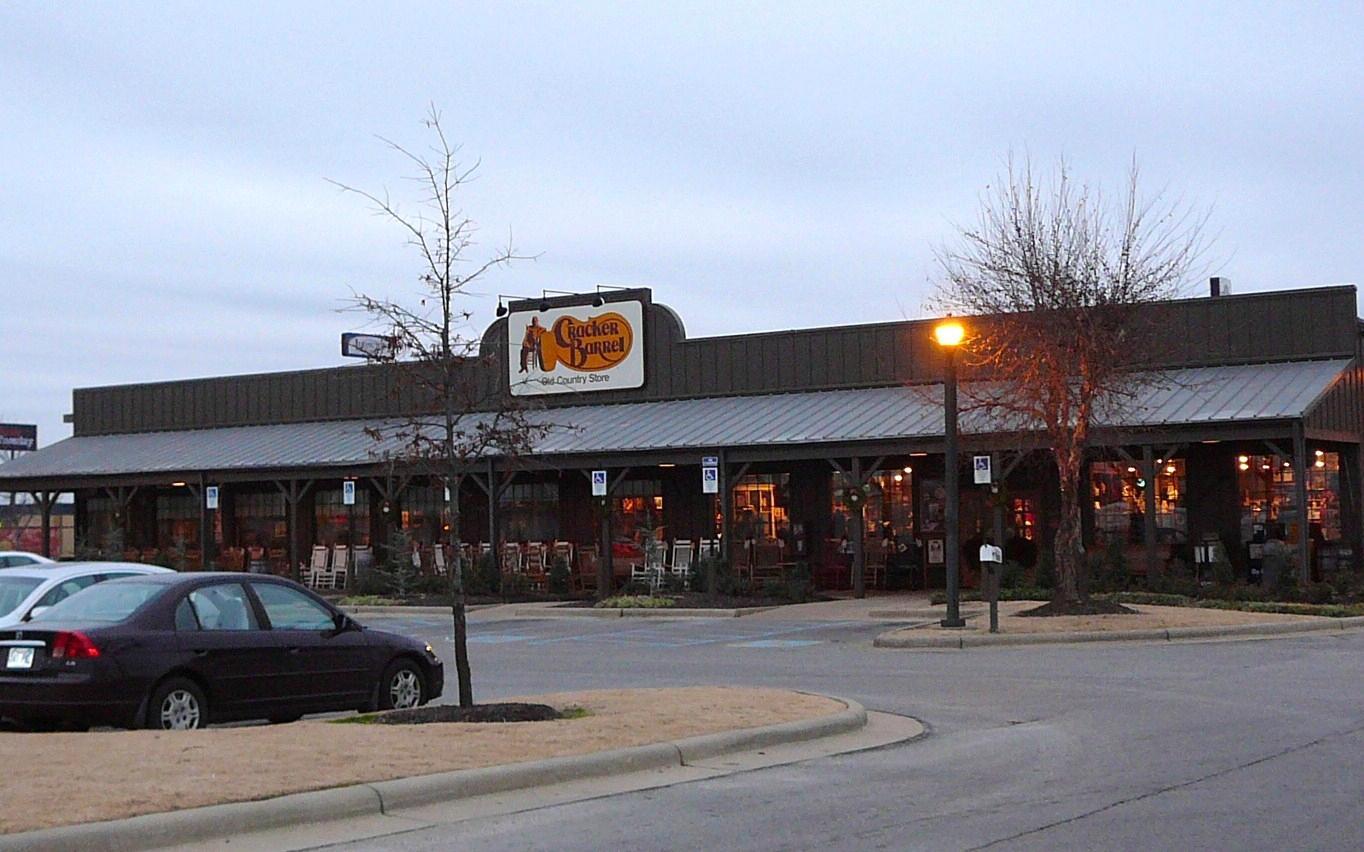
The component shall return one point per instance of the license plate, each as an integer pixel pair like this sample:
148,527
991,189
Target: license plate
20,658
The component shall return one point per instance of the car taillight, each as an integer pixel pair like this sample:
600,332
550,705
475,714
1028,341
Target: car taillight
73,646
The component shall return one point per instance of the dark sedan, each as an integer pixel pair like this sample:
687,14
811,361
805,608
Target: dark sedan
180,651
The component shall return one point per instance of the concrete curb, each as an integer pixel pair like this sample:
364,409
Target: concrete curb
978,640
366,609
198,825
639,612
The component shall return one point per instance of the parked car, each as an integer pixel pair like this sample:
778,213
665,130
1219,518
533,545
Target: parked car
179,651
17,558
28,591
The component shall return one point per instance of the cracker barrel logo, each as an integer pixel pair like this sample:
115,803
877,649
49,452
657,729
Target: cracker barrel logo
585,346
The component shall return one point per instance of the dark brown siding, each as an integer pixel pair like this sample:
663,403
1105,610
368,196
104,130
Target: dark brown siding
1259,327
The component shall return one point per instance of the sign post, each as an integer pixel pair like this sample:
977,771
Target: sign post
991,560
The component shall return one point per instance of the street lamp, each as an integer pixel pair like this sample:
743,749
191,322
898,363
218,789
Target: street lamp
949,334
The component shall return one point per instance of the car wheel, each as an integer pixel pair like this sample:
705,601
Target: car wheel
402,687
177,705
285,718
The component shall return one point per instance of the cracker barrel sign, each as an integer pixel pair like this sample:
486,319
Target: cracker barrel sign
576,349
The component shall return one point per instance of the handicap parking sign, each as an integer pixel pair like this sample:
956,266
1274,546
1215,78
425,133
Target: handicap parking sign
982,470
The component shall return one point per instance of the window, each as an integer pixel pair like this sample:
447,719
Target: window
637,510
111,602
760,507
223,607
530,511
65,589
334,518
185,619
1268,497
261,519
177,519
290,609
13,590
887,512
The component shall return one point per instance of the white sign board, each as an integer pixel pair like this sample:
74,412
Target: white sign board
980,466
936,551
576,349
598,483
211,497
710,480
348,492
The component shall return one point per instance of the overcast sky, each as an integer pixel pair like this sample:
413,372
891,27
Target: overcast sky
164,211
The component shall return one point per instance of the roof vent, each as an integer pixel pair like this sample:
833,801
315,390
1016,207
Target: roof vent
1219,286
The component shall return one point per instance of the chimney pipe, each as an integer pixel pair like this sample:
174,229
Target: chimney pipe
1219,286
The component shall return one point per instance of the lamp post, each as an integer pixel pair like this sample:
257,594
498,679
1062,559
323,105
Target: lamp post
949,334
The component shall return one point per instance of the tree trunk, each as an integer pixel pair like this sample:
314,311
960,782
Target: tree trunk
1069,545
458,602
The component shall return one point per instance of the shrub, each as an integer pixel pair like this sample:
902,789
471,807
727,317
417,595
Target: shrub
725,581
628,601
798,585
484,577
558,577
396,565
1046,569
1012,575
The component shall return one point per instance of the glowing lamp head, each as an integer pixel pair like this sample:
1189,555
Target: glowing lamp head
949,333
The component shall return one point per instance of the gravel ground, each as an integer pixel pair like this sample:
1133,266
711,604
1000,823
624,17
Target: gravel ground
72,778
1146,618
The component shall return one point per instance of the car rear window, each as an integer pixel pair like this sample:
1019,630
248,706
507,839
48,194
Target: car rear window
13,590
110,602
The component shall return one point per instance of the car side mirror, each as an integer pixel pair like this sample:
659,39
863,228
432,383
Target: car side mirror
35,612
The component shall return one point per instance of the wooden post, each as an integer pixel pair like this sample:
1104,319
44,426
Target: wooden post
1148,468
859,577
1300,468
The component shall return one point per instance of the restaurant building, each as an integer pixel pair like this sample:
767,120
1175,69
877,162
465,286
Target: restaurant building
754,440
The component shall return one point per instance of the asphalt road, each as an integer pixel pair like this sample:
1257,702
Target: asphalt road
1212,745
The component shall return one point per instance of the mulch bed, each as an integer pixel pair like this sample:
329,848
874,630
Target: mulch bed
506,712
1092,606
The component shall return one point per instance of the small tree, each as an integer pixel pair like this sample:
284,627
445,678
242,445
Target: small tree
459,414
1062,283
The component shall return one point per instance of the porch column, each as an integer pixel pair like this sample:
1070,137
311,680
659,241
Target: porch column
1148,467
1300,467
858,574
293,492
45,500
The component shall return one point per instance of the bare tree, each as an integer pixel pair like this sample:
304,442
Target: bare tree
1062,280
455,412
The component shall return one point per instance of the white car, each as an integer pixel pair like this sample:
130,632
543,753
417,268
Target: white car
27,591
18,559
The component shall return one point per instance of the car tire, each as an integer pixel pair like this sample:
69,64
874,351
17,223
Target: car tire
177,704
402,687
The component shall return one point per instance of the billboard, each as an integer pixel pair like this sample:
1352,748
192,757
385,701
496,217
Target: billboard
18,436
576,349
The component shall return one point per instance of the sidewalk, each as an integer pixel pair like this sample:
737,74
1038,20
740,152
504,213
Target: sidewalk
1150,623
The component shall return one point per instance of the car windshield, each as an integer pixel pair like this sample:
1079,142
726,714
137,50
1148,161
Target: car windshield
113,601
13,590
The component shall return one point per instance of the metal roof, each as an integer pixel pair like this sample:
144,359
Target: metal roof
1190,396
